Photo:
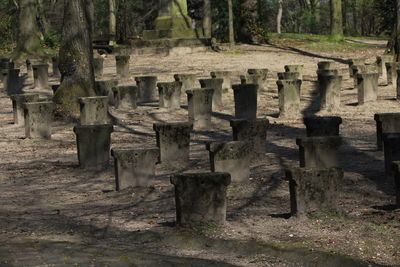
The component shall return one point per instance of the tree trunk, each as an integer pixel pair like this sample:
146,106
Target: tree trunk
112,21
336,20
28,41
248,21
207,18
397,38
230,23
279,17
76,58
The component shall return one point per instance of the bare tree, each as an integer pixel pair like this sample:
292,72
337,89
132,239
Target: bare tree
207,18
336,20
112,21
279,17
230,23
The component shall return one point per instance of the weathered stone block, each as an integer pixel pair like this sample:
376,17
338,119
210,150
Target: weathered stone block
134,166
11,81
245,96
396,173
262,72
391,72
254,79
54,64
188,81
225,75
147,88
216,85
295,68
289,98
122,66
322,126
98,63
38,118
41,76
200,198
359,69
326,65
18,102
93,143
386,123
231,157
105,88
173,140
391,148
252,131
355,61
398,85
288,75
367,87
329,87
381,61
170,95
319,152
126,97
314,191
94,110
200,107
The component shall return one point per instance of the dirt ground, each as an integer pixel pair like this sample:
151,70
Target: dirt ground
46,196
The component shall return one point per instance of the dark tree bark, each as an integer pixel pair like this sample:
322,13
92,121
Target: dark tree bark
279,17
336,20
76,57
248,21
230,23
397,32
207,18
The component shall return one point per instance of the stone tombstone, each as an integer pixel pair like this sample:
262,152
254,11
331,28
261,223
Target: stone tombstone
262,72
322,126
215,84
5,65
326,72
200,198
288,75
391,149
126,97
55,87
396,174
54,64
391,72
252,131
18,102
225,75
367,87
188,81
386,123
147,88
359,69
329,87
295,68
232,157
170,95
200,107
98,67
398,85
319,152
93,143
94,110
245,97
326,65
38,118
105,88
11,82
254,79
134,167
289,98
41,76
314,191
381,61
173,140
122,66
355,61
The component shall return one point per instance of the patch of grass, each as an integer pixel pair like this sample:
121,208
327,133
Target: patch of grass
207,228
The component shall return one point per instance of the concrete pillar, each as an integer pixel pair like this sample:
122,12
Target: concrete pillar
215,84
18,102
200,107
188,81
391,149
252,131
231,157
5,65
173,140
314,191
225,75
170,95
263,73
386,123
147,88
326,65
200,198
391,72
319,152
289,98
322,126
254,79
125,97
396,173
41,76
93,143
38,119
11,82
245,97
367,86
381,61
359,69
355,61
105,88
329,87
94,110
288,75
54,64
295,68
134,167
98,63
122,66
